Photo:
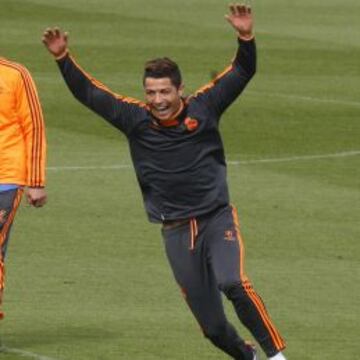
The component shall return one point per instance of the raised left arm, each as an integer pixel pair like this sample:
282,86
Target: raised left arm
228,85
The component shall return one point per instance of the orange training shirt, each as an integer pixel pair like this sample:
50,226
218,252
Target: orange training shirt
22,130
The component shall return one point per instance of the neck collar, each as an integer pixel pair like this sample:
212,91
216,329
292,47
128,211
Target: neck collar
174,120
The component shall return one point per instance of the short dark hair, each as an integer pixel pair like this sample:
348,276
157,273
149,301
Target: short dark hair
163,68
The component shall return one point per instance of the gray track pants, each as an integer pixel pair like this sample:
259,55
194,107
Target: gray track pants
206,255
9,202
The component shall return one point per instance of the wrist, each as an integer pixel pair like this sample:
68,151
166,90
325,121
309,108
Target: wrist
61,54
246,36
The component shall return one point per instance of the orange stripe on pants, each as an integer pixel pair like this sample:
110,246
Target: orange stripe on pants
4,233
253,296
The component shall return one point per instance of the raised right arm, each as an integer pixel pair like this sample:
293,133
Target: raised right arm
122,112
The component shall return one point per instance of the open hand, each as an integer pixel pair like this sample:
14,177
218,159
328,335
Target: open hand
56,41
241,20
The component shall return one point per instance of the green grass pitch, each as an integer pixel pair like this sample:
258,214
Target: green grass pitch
87,278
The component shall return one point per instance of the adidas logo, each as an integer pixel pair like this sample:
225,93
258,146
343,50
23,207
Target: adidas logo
230,235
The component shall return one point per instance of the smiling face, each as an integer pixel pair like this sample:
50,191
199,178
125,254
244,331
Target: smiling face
163,97
163,87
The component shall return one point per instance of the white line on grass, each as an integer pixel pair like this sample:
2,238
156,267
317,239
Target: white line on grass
92,167
25,354
294,158
230,162
306,98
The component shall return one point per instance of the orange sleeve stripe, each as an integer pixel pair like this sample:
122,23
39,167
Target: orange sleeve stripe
101,86
37,121
253,296
38,128
212,83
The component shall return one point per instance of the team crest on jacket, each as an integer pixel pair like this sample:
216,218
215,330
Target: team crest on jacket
191,124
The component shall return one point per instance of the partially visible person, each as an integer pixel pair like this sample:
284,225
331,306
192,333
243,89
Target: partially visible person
22,150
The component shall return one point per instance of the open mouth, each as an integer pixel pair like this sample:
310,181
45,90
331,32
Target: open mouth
162,111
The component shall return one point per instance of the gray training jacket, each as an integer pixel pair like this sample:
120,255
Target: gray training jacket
180,164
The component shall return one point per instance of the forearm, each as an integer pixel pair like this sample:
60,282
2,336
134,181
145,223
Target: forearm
31,120
229,84
35,145
79,83
91,92
118,110
245,59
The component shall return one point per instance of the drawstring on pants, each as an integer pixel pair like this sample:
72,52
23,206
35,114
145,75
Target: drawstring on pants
193,233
